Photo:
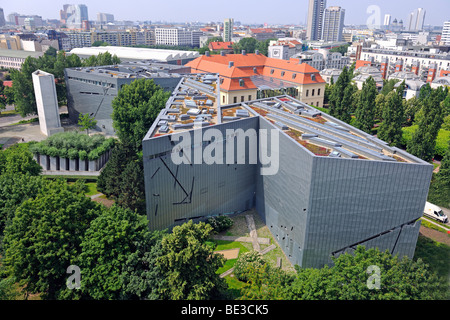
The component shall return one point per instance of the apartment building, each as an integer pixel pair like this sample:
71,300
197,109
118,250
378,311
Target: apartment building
177,37
333,24
228,26
316,10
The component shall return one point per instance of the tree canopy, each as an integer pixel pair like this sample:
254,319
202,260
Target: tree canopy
106,247
44,238
135,108
351,278
189,264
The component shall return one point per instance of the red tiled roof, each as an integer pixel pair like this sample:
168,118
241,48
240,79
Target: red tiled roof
362,63
444,73
221,45
244,66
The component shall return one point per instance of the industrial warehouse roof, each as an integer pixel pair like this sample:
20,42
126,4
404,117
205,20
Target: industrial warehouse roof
138,53
20,53
235,67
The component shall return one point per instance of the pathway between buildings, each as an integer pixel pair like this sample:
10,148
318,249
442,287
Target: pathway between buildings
253,239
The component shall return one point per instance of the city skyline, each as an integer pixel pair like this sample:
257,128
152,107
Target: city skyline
205,11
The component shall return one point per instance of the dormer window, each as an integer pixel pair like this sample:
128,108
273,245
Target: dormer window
241,82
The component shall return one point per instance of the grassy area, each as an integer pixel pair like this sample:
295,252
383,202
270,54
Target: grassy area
92,188
437,256
430,225
8,113
73,178
25,121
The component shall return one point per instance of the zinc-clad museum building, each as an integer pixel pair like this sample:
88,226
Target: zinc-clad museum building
335,186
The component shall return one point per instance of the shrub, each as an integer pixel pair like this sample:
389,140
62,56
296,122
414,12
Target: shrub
53,152
63,153
82,154
72,154
220,223
246,262
93,155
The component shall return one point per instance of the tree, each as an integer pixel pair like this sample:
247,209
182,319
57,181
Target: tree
102,59
247,44
263,46
337,94
266,282
380,104
86,122
140,276
132,187
411,107
106,246
189,264
18,159
3,97
15,188
44,238
247,263
135,108
24,99
51,52
123,178
388,86
99,43
439,193
423,141
393,118
349,279
445,105
327,92
365,110
52,62
341,49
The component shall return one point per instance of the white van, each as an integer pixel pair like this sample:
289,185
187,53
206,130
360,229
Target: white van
434,212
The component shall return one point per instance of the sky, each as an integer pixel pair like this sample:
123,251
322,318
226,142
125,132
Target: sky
245,11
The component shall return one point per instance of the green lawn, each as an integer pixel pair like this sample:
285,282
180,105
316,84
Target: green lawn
430,225
92,189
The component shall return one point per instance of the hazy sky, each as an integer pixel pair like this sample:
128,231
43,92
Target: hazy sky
246,11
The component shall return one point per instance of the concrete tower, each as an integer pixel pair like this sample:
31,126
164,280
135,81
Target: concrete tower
47,102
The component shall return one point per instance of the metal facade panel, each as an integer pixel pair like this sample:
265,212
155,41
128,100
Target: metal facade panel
352,200
282,199
176,193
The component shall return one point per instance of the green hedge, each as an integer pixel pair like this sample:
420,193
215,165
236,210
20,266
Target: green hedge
74,145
